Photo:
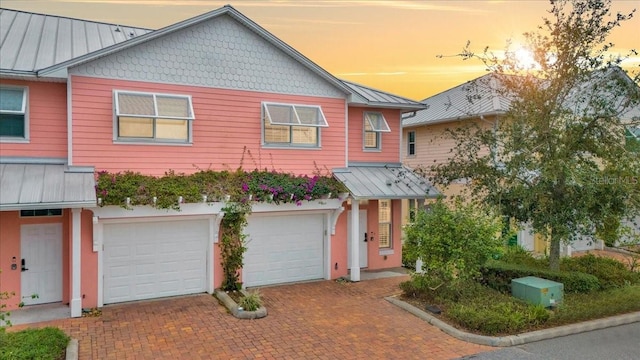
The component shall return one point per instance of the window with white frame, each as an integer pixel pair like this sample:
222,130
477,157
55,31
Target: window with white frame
13,113
411,143
292,125
374,125
632,135
384,224
153,117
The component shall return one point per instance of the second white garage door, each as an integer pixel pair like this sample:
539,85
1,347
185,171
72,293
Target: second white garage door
154,259
284,248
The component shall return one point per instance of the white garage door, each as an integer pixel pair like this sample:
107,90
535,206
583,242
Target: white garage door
154,259
284,248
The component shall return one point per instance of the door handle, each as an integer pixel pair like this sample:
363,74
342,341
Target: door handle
24,266
365,237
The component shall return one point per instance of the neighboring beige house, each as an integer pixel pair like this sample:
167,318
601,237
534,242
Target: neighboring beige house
426,142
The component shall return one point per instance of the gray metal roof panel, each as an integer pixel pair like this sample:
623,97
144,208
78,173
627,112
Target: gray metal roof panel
370,96
388,181
30,41
30,186
477,97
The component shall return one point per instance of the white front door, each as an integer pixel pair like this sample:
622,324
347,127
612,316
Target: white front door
41,253
363,244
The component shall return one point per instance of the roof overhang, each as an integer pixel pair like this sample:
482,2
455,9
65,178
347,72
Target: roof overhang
451,119
46,185
384,181
61,68
402,107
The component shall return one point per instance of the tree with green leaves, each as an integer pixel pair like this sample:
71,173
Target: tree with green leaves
557,159
453,240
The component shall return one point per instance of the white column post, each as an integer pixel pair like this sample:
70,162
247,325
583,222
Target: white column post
76,298
355,240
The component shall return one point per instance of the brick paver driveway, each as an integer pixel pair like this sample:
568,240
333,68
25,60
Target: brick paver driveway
319,320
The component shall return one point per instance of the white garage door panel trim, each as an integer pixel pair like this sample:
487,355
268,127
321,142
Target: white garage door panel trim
284,248
145,260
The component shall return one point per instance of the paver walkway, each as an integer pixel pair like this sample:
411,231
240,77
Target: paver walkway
318,320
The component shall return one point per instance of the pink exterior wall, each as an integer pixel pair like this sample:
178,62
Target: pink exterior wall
10,222
89,262
339,243
374,259
47,109
377,261
225,122
390,147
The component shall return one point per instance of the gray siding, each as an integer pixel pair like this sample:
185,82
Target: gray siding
219,53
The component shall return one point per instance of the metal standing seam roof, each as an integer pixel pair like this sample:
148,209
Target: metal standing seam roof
384,181
369,96
472,99
44,186
30,42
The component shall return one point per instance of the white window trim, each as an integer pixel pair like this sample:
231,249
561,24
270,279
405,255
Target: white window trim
25,112
389,223
265,108
152,141
264,116
633,133
378,131
409,143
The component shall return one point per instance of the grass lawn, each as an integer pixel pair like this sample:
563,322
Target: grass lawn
43,344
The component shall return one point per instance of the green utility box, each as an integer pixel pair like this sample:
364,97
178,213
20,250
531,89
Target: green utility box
537,291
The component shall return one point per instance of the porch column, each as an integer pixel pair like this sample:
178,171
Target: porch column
76,298
355,240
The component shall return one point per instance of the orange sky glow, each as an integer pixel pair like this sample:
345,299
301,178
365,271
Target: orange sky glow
390,45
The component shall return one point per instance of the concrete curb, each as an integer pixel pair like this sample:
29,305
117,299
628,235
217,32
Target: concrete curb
233,307
72,350
511,340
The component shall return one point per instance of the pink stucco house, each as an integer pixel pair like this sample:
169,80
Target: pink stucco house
80,96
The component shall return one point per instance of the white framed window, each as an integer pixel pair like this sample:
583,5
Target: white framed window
384,224
14,120
292,125
411,143
374,125
153,117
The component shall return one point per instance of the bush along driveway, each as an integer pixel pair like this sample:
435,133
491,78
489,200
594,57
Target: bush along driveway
595,288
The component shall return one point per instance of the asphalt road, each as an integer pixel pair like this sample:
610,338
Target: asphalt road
616,343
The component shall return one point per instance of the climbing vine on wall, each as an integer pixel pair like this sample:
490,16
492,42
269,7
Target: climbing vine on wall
232,243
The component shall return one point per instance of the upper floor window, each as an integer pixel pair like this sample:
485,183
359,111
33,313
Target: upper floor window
13,113
153,117
292,125
374,126
411,143
384,223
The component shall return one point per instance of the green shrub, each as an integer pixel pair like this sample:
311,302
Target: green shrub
433,288
498,275
610,272
44,344
583,307
251,302
519,255
452,241
497,315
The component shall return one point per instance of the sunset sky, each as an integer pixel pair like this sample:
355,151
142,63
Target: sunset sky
389,45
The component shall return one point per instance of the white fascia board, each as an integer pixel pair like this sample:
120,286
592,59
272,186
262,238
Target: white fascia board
213,208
